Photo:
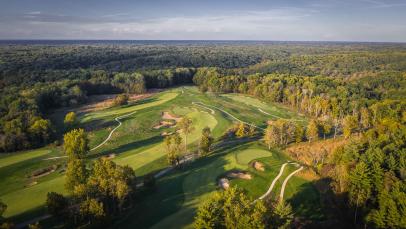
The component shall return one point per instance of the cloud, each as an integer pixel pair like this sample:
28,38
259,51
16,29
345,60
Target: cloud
384,4
287,23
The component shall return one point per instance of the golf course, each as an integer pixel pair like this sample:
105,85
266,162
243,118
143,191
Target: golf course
133,135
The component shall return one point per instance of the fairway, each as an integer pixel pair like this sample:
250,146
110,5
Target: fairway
137,144
6,160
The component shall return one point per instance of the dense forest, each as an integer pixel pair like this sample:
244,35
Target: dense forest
355,90
35,79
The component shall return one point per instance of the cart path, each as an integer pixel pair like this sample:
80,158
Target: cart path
286,181
273,182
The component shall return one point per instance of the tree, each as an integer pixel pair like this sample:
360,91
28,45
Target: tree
172,145
230,209
359,186
299,133
242,130
365,118
76,143
282,215
206,141
349,125
120,100
312,131
270,136
75,174
56,203
186,126
92,210
326,127
40,131
70,119
3,208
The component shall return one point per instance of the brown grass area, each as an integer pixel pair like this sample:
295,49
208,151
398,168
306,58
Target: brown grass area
100,102
311,153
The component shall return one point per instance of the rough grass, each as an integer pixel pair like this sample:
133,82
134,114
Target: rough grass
137,144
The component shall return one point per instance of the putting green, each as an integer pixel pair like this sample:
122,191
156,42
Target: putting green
245,156
201,182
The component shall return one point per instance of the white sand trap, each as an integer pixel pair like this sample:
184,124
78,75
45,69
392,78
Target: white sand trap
240,175
167,115
224,183
258,166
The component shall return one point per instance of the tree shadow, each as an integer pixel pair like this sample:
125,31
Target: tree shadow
169,197
324,209
129,146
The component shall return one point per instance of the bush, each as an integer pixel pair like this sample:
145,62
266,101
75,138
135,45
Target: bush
120,100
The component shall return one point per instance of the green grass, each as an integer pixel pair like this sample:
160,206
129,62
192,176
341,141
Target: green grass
137,144
13,158
114,112
270,108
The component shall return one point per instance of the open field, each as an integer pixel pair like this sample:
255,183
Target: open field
137,144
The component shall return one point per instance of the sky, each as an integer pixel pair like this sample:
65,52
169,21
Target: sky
280,20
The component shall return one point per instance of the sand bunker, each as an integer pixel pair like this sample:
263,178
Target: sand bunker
258,166
166,133
43,172
110,156
167,115
240,175
224,183
164,124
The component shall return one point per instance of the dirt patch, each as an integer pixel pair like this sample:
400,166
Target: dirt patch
315,152
167,115
100,102
224,183
43,172
258,166
240,175
163,124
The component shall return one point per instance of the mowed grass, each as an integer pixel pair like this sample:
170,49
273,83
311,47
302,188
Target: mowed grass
32,197
16,189
12,158
137,144
137,160
150,102
271,108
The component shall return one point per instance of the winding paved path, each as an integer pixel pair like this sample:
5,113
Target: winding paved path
274,182
117,119
286,181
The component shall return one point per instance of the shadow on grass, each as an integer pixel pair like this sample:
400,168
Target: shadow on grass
321,205
98,124
169,197
129,146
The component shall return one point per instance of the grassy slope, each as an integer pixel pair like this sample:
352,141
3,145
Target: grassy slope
271,108
137,144
16,167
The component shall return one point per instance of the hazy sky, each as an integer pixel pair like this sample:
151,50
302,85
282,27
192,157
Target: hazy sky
300,20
